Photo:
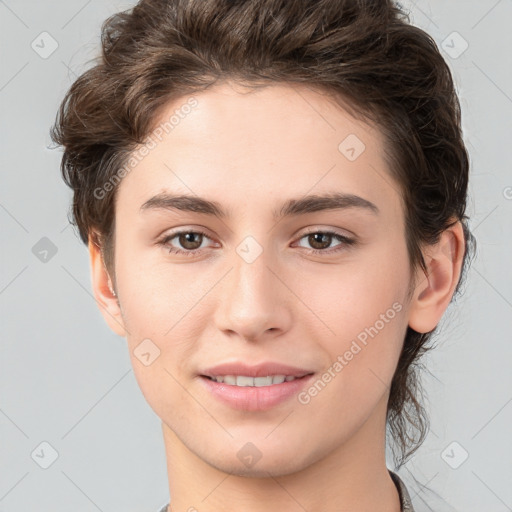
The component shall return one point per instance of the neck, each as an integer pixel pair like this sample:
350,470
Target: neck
352,477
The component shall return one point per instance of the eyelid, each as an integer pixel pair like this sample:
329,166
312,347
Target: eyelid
187,228
169,235
319,229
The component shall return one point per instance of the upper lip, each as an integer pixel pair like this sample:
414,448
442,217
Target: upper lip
260,370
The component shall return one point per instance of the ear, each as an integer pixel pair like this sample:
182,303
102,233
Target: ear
107,301
434,291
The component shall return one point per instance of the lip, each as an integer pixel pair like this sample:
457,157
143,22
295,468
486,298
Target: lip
248,398
260,370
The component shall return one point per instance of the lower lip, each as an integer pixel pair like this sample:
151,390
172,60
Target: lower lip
253,398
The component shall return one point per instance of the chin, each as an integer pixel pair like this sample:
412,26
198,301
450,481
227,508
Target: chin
261,469
260,459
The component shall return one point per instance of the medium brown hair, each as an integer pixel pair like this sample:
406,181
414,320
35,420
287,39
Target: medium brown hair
364,53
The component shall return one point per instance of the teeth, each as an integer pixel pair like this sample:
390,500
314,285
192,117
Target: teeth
242,380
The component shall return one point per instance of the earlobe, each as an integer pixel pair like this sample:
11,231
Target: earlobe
434,291
104,293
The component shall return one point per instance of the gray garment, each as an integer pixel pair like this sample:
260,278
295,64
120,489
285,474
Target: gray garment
405,499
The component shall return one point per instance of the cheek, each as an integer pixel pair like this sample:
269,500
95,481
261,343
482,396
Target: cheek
362,355
161,310
352,297
363,311
155,294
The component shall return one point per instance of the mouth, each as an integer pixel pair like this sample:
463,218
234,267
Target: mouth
254,394
247,381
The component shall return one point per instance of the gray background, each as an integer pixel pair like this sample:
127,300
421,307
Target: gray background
66,379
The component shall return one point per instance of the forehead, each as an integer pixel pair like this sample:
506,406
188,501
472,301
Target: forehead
230,141
243,114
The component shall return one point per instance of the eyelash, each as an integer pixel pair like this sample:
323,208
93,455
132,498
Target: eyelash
346,242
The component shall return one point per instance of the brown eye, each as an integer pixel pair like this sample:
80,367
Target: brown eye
186,243
320,240
190,240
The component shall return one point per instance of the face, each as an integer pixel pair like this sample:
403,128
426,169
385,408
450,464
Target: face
318,289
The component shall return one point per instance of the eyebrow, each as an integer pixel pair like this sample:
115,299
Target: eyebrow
292,207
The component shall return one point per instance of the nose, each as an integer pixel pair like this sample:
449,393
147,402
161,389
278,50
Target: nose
253,302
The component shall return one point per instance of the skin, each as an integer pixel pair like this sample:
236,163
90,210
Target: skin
250,152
